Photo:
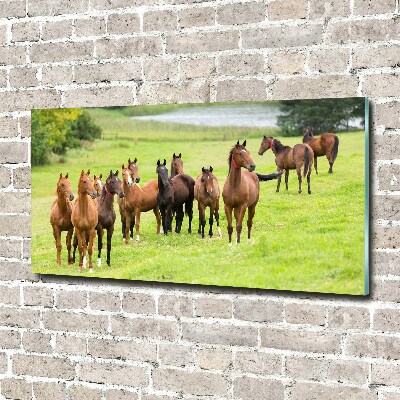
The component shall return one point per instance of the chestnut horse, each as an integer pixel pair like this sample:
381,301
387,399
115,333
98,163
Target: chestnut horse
84,218
60,216
241,190
138,200
98,184
173,194
176,165
287,158
325,145
106,212
206,192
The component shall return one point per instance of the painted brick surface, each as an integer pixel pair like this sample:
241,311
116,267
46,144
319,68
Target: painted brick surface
63,338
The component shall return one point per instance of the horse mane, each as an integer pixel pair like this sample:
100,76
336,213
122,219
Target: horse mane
230,156
279,146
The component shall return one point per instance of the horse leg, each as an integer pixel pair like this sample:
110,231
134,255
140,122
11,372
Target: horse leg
80,242
251,211
69,240
123,223
315,164
92,234
216,213
137,223
156,212
189,212
299,177
239,214
179,219
228,213
330,160
308,181
287,179
99,245
57,239
110,232
75,244
127,228
279,181
164,219
132,224
211,220
202,218
169,217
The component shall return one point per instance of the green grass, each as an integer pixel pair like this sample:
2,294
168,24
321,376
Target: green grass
307,243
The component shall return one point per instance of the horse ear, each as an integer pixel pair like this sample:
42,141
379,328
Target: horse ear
123,166
66,176
265,137
60,175
116,173
180,155
82,172
94,177
135,160
244,144
129,161
165,161
101,176
211,168
173,156
111,172
88,172
158,163
237,144
202,170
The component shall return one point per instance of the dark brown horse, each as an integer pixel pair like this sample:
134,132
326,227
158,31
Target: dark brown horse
84,218
206,192
241,190
176,165
325,145
138,200
60,216
287,158
173,194
106,212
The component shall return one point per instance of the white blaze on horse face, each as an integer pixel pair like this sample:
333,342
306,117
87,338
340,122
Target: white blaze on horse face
99,183
129,179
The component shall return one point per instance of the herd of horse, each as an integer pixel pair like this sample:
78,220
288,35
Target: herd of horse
172,195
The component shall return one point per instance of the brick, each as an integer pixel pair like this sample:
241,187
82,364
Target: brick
10,339
179,306
15,225
114,374
352,372
21,178
26,100
366,30
194,91
348,318
281,10
228,335
214,359
128,47
121,394
12,8
5,177
159,21
315,391
15,202
10,248
389,177
98,97
138,303
3,363
282,36
307,368
378,346
175,355
257,389
94,26
56,75
144,327
257,362
329,61
194,383
82,392
3,35
385,237
38,296
17,271
329,8
71,299
214,308
47,390
16,389
37,342
382,85
57,30
25,31
3,78
123,349
241,90
202,42
312,87
305,314
385,148
48,367
390,396
386,320
376,57
191,17
10,295
258,311
119,24
385,263
26,249
241,13
286,63
55,7
362,7
71,345
25,127
57,52
157,69
197,68
241,65
12,55
74,322
104,301
297,340
386,291
8,127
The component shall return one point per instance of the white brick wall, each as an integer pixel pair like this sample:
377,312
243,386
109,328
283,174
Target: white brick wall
65,338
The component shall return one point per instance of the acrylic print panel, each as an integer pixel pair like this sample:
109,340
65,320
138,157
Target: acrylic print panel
314,242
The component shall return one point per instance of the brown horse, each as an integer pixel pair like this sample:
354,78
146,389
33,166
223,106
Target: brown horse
287,158
241,190
326,144
138,200
206,192
98,184
60,216
105,208
176,165
84,218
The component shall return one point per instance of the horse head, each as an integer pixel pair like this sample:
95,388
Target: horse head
162,172
127,175
207,179
241,157
64,187
85,185
177,164
132,165
266,144
114,185
308,134
98,184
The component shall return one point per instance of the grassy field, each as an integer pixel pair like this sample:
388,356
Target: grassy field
306,243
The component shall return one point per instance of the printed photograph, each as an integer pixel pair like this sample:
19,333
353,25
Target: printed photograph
264,195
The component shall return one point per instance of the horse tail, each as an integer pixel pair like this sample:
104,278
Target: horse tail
306,161
268,177
335,148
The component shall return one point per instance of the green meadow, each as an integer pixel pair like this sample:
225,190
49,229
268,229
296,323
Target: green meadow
299,242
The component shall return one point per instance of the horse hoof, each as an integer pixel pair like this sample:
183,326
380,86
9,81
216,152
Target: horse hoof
91,270
309,192
219,232
137,239
230,244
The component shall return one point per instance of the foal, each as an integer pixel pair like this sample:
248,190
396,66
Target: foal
206,192
176,165
60,216
287,158
98,184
